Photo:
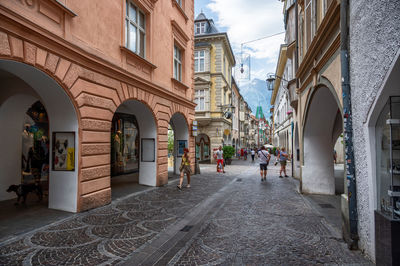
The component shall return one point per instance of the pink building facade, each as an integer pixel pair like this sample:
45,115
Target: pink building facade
93,86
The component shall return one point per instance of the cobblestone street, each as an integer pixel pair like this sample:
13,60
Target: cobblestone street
231,218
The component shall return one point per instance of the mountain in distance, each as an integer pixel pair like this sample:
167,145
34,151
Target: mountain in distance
256,94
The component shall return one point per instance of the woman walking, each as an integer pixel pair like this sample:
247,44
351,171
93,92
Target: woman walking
185,168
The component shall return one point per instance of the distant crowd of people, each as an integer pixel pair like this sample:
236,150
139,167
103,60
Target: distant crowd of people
263,154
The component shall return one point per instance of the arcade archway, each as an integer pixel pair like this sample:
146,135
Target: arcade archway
30,99
323,125
180,139
133,147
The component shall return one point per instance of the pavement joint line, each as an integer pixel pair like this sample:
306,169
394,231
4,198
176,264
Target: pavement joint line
198,210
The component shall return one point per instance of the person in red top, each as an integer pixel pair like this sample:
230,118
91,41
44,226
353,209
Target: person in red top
242,153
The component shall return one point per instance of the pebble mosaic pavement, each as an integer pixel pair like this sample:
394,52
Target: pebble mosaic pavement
257,223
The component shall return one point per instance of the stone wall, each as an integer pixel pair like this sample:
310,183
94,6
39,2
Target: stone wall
374,43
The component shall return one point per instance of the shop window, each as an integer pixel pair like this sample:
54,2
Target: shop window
135,29
387,132
125,144
177,63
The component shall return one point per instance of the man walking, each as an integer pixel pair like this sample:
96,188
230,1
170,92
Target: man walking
219,156
253,153
264,158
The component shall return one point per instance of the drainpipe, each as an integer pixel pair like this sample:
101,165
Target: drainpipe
348,125
296,66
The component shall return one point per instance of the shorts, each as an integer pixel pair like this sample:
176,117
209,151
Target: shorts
220,161
263,166
283,163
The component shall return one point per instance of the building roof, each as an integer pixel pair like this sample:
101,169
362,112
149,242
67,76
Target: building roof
210,32
210,26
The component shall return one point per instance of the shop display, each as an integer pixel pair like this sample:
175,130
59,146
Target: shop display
35,145
124,144
388,159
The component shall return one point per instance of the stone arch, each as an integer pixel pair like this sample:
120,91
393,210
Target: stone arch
179,124
321,125
63,116
136,110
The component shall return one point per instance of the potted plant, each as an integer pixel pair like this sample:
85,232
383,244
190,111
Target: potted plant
229,151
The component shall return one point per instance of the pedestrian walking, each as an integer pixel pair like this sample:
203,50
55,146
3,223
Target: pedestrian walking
253,154
283,156
185,169
219,156
241,153
263,157
245,154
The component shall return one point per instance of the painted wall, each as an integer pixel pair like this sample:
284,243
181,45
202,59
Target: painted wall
99,77
374,51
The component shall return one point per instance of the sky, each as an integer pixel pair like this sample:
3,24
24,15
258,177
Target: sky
244,21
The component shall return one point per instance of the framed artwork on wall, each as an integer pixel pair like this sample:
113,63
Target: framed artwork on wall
181,146
148,150
63,152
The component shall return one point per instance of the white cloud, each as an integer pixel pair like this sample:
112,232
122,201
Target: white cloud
248,20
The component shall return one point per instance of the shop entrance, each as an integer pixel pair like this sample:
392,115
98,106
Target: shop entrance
33,109
133,148
203,148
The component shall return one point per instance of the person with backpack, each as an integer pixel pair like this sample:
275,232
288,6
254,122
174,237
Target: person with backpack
263,157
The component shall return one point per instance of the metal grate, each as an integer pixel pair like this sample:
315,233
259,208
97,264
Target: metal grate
186,228
326,206
239,180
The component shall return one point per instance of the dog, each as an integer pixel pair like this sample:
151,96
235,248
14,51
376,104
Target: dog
23,190
60,159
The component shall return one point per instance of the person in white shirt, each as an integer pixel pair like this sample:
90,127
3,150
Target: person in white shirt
253,154
263,157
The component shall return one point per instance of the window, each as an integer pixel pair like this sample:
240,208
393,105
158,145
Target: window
179,2
200,100
200,28
135,29
177,63
199,57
